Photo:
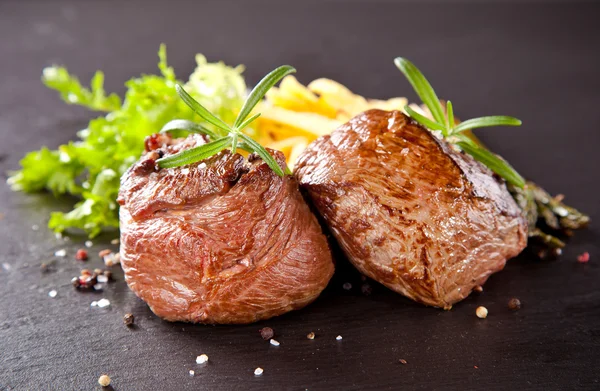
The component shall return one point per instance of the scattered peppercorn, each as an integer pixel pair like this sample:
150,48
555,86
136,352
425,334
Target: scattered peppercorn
86,281
481,312
104,380
81,255
366,289
514,304
128,319
267,333
44,267
584,258
403,361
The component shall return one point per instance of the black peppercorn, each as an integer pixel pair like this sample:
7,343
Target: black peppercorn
128,319
514,304
366,289
267,333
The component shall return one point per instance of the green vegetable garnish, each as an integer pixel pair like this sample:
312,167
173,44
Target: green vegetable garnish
452,132
224,136
90,168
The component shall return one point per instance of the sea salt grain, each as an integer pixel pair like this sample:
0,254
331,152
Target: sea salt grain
258,371
100,303
35,227
102,278
60,253
192,373
52,293
201,359
274,342
114,241
339,337
89,243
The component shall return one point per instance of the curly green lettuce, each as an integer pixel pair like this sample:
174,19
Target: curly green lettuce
90,167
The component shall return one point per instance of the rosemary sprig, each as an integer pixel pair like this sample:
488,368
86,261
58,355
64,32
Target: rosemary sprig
224,136
445,124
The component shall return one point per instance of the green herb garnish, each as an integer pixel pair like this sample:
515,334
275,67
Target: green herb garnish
224,136
453,133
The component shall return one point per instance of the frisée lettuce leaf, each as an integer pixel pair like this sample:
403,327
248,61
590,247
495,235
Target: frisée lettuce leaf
90,167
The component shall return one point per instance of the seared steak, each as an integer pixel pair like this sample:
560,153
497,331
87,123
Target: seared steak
408,210
224,240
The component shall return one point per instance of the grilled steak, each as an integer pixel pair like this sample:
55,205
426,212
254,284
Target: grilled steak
224,240
408,210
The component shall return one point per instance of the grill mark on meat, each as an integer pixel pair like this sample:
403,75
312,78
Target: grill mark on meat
224,240
449,222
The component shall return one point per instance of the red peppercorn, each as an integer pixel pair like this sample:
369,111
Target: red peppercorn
152,142
584,258
81,255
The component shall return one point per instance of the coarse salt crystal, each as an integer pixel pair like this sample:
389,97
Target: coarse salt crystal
60,253
274,342
35,227
98,287
201,359
202,165
101,303
102,278
192,372
185,171
114,241
89,243
52,293
347,286
339,337
58,235
258,371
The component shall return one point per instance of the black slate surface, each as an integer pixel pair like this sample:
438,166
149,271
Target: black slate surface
538,62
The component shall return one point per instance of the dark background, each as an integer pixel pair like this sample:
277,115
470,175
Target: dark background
538,62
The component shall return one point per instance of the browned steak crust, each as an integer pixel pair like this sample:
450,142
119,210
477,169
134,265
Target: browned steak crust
219,241
408,210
